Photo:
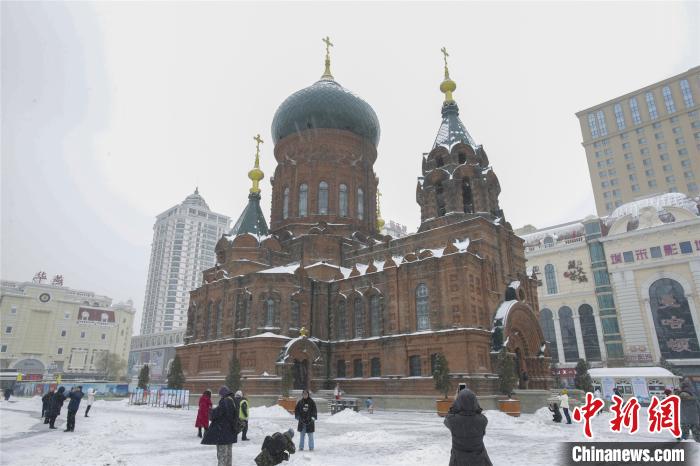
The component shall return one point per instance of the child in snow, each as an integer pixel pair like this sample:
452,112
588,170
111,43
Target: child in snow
370,405
202,421
337,392
276,448
554,408
90,400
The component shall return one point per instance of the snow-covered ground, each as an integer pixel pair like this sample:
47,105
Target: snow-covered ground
119,434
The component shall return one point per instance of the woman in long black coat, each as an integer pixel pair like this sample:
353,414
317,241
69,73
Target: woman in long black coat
223,429
468,427
55,407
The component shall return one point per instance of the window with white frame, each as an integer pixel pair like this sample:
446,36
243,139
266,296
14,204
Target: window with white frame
668,99
634,110
687,94
651,105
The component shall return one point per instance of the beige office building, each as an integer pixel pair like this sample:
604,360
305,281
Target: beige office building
50,329
645,142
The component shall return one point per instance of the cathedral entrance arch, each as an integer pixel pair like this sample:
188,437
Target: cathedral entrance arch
301,355
300,373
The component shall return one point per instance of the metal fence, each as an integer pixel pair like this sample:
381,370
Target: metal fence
161,398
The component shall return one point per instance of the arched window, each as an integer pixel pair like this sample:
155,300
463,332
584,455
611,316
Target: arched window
323,198
193,329
360,204
270,312
675,329
568,334
550,334
219,319
462,157
375,367
342,321
440,197
375,316
294,314
285,204
422,308
207,322
343,200
589,333
550,278
467,201
241,305
303,199
359,324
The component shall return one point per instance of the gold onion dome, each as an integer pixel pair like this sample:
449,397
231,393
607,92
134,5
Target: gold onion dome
447,86
256,175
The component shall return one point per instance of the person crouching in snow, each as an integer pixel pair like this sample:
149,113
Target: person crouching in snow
223,429
90,400
305,413
242,403
554,408
276,448
202,421
468,427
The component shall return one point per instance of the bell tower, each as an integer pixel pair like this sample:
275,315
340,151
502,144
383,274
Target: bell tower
457,180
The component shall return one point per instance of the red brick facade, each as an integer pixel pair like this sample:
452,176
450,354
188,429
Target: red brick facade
377,309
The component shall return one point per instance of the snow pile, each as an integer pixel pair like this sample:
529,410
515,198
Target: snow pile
269,411
348,416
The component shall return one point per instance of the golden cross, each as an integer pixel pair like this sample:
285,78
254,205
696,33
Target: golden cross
444,52
328,42
258,141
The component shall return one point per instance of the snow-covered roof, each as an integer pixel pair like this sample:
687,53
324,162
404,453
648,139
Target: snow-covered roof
659,202
630,372
268,335
503,309
289,268
563,231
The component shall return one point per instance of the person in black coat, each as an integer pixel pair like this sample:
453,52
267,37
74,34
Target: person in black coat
75,395
305,413
56,404
45,404
468,427
224,427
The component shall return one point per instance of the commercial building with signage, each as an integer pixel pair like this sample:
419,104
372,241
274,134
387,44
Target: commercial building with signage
52,329
626,295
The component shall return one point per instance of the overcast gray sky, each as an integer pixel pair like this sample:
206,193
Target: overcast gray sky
114,112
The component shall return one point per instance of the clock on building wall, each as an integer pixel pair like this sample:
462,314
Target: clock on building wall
44,297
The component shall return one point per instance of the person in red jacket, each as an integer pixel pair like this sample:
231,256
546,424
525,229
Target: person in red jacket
203,412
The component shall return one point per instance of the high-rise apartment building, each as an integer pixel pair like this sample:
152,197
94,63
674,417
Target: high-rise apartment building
184,237
645,142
